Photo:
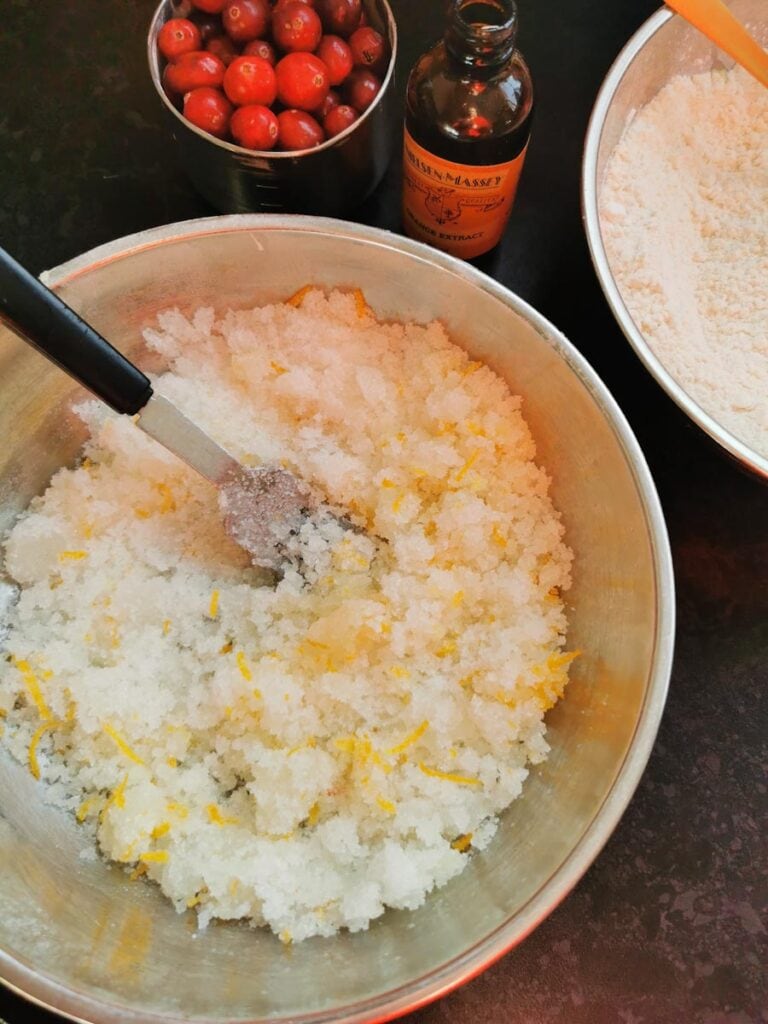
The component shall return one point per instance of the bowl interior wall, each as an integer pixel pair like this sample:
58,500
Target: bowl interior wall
83,924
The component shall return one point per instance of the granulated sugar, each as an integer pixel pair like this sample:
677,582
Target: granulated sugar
685,222
306,754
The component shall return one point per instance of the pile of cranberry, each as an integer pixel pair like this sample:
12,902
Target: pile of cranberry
265,73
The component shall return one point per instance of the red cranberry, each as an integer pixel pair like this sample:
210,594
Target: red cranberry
298,130
282,3
261,48
337,57
193,71
339,119
244,20
331,100
208,109
362,88
341,17
223,47
209,6
302,81
295,26
178,36
250,80
254,127
368,49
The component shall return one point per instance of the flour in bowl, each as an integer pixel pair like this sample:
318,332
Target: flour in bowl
308,753
684,214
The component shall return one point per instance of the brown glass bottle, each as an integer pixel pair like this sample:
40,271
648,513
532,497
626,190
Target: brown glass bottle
467,121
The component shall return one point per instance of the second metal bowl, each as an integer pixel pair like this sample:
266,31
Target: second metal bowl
665,46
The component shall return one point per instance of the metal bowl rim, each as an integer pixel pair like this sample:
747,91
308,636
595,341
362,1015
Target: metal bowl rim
266,154
388,1005
742,452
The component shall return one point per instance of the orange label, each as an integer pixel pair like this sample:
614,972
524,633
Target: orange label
460,208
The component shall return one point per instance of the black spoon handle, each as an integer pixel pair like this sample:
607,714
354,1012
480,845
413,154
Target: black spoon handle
39,316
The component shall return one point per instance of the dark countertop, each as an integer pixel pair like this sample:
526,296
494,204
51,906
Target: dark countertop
668,926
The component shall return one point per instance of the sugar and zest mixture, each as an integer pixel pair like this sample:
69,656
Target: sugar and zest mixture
685,221
307,754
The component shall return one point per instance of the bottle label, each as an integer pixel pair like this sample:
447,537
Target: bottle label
460,208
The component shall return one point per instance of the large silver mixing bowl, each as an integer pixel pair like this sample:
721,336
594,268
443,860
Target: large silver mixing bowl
76,934
663,47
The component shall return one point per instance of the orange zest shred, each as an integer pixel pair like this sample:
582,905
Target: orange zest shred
474,428
32,686
154,857
116,798
72,556
217,818
462,843
347,744
467,466
242,664
308,744
278,368
317,645
138,871
386,805
314,814
555,662
172,762
160,830
178,809
460,780
361,306
410,739
37,735
121,744
498,537
83,809
298,297
168,504
166,626
213,607
399,672
127,854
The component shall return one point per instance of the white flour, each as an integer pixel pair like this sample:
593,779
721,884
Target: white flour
685,222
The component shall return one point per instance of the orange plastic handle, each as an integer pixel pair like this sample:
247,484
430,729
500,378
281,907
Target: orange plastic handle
716,22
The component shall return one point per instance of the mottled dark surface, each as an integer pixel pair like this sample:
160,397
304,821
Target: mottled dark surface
669,925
